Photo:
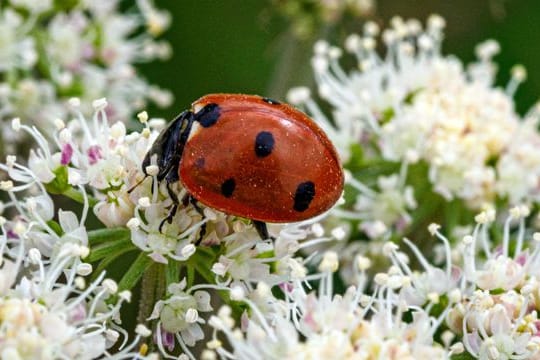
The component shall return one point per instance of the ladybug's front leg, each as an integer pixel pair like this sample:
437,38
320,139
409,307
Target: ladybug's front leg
262,230
188,199
174,199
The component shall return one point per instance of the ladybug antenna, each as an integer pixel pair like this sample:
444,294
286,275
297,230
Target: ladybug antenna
137,184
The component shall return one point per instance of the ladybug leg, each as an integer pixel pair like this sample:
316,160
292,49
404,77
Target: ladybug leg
188,199
174,207
262,230
169,217
202,232
166,153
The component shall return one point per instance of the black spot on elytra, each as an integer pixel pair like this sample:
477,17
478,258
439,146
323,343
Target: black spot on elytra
227,188
305,192
264,143
271,101
199,163
208,115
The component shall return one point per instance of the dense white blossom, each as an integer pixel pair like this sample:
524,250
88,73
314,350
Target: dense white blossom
344,284
88,49
413,103
48,308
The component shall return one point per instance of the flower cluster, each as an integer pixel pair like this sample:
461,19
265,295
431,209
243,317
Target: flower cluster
49,308
484,305
307,16
414,108
309,324
420,138
51,51
497,315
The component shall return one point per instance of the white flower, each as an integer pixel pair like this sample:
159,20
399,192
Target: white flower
385,209
242,261
178,314
496,311
44,312
16,49
327,325
74,44
167,240
500,273
415,104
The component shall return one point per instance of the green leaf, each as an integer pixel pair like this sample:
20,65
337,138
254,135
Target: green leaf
78,196
357,155
105,235
462,356
135,272
369,171
105,262
56,227
65,5
60,183
111,248
202,262
387,115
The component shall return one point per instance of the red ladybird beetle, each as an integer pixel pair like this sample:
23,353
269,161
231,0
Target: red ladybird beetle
249,156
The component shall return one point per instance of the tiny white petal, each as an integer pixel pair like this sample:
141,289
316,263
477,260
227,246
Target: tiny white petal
142,330
237,293
192,315
110,285
34,255
84,269
188,250
144,202
152,170
74,102
99,104
16,124
143,117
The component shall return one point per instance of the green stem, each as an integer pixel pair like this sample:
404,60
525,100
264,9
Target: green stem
190,276
135,271
172,272
99,236
148,293
202,263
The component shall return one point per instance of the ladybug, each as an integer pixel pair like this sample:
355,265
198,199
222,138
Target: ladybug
248,156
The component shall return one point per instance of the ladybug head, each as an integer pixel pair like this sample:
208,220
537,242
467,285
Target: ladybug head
166,151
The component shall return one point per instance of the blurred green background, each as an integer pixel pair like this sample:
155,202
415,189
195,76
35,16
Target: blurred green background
245,46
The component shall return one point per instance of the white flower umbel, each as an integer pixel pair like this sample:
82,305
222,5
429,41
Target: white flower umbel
496,312
385,209
415,104
51,52
172,240
428,286
47,308
179,317
327,325
98,164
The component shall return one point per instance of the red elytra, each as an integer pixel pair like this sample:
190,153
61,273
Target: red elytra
259,159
